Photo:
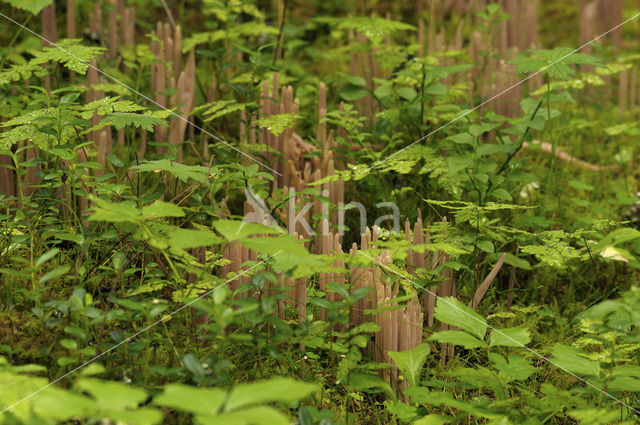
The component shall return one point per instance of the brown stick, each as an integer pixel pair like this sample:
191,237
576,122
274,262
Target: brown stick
560,154
484,286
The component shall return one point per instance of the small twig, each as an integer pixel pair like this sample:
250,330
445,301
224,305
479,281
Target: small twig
169,14
280,34
484,286
560,154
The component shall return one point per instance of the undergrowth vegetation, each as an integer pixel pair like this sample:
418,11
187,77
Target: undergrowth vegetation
252,212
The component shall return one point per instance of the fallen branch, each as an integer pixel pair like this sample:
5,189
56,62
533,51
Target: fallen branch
560,154
484,286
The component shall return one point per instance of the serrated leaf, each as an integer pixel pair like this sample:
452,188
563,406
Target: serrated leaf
111,394
189,238
410,362
191,399
180,171
517,367
284,390
452,312
113,213
162,209
32,6
234,230
460,338
573,360
433,420
510,337
260,415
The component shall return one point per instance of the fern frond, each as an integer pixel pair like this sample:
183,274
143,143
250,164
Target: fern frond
124,119
19,72
375,29
219,108
277,124
107,105
70,53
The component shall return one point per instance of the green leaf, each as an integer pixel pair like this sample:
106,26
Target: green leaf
458,163
463,139
113,213
111,394
162,209
140,416
286,244
61,405
261,415
624,383
410,362
55,273
189,238
359,381
573,360
32,6
284,390
46,256
509,337
193,365
452,312
69,344
596,416
433,420
180,171
517,262
234,230
351,93
458,338
517,367
191,399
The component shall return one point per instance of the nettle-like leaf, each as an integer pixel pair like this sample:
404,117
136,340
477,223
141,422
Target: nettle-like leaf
244,404
375,29
574,360
251,29
277,124
410,362
180,171
510,337
517,367
32,6
70,53
452,312
219,108
554,62
460,338
202,38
